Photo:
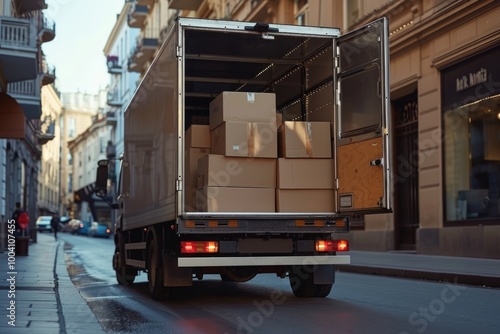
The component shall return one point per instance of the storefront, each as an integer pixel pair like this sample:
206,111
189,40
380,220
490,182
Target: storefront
471,149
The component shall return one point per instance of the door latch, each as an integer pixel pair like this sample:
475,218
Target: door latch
377,162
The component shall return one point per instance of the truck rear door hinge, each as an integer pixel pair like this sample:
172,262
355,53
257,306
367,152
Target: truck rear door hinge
336,63
178,51
178,185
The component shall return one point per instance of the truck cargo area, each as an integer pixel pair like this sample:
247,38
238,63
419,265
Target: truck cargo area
232,144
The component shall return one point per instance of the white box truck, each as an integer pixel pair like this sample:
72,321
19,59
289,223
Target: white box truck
315,75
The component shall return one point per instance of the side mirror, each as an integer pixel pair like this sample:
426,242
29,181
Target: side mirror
101,182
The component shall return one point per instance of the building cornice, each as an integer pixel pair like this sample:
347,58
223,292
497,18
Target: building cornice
427,28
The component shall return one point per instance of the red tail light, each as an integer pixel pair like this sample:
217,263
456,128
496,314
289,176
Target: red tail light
332,245
199,247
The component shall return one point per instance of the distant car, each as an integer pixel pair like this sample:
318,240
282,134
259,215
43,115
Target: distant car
43,224
83,228
97,230
64,224
74,226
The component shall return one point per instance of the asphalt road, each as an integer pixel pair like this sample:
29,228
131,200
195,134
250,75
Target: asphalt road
357,303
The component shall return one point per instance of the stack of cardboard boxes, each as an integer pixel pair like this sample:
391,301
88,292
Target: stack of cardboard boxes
243,173
239,175
305,180
197,145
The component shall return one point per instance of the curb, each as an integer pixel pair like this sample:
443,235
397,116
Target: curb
456,278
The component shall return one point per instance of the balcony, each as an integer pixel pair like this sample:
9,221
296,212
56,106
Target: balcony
111,118
114,99
143,51
185,4
46,132
27,94
24,6
114,66
18,49
47,30
137,16
47,74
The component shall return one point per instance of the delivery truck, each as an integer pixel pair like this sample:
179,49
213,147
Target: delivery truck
247,146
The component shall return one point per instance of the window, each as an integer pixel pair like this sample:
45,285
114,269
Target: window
71,127
472,160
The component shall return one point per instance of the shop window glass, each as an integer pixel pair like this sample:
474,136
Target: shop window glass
472,160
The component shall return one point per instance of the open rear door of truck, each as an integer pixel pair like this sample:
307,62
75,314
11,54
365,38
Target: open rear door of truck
362,132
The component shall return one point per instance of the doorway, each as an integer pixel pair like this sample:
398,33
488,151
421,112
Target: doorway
406,153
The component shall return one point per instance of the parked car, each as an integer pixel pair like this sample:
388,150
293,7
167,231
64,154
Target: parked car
43,224
74,226
83,228
64,224
99,230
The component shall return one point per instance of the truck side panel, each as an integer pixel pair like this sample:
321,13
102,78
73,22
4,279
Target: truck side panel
151,144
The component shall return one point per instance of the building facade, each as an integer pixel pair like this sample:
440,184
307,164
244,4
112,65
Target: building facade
445,95
23,71
79,109
86,150
122,83
49,181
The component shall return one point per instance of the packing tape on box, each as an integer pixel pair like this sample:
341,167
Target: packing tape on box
309,148
250,97
251,131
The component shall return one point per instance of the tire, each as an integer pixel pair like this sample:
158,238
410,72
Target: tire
302,284
155,272
226,278
124,276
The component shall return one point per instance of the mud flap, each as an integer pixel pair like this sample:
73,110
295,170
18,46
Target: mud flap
324,275
173,275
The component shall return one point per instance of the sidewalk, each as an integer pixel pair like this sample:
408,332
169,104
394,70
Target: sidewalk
45,299
462,270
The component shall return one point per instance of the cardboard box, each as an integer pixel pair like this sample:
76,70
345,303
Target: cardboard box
197,136
305,200
191,157
220,171
305,140
245,139
306,173
232,199
242,107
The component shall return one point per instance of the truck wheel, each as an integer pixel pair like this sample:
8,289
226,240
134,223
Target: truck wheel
124,276
155,274
226,278
302,284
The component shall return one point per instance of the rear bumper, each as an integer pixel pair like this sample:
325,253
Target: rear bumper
263,261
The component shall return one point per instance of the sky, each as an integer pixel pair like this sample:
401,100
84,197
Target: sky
76,52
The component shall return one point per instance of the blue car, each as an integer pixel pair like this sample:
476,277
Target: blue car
83,228
97,230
